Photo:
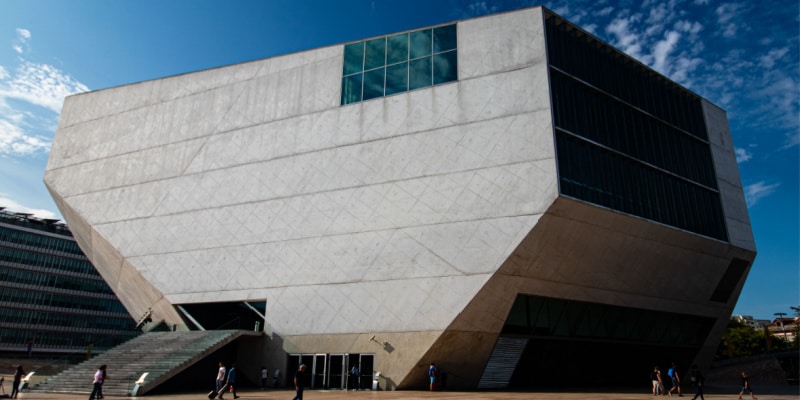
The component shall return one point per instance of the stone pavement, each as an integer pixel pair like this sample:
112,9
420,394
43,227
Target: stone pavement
771,393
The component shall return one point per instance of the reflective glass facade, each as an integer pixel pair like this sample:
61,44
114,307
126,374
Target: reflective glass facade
398,63
627,138
563,331
51,293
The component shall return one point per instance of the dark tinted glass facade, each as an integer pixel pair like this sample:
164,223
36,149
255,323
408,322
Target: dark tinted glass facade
51,294
567,335
627,138
398,63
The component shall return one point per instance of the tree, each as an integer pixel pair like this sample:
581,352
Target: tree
741,340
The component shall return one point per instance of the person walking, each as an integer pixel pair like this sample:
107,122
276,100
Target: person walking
97,383
219,383
299,382
676,380
264,377
18,374
232,381
746,386
658,383
354,378
432,373
697,379
275,376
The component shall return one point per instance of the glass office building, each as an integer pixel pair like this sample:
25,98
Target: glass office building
51,295
507,196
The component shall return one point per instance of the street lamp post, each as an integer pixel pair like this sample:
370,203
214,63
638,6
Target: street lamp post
783,328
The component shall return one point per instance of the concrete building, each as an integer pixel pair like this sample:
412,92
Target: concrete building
506,196
748,320
52,301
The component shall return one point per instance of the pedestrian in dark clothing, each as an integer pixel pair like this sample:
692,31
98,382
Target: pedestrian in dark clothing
18,374
299,382
354,377
232,380
697,381
746,386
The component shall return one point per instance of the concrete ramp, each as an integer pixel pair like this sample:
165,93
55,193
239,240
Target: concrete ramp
161,355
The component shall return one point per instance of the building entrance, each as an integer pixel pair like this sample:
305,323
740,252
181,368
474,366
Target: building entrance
333,371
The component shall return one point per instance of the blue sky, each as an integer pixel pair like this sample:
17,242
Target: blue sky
739,55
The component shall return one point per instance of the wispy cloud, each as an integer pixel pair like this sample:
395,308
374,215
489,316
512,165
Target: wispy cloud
742,155
23,35
757,191
726,18
24,129
13,206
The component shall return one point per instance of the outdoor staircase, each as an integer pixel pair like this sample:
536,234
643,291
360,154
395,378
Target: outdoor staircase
502,363
160,354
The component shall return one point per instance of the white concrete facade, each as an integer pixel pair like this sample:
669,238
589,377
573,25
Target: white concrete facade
414,217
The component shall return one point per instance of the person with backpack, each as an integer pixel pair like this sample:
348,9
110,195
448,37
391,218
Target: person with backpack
676,380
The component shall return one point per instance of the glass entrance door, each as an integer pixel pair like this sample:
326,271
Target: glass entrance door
318,373
331,371
336,371
366,363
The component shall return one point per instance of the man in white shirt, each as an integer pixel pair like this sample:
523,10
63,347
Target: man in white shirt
221,377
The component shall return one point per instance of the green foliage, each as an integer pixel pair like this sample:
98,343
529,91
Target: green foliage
742,341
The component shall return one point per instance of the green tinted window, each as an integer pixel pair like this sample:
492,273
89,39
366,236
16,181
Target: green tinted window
397,50
421,44
351,89
399,63
419,72
396,78
375,54
444,38
373,83
445,67
353,58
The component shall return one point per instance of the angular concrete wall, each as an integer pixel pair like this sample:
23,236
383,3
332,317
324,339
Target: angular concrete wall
251,182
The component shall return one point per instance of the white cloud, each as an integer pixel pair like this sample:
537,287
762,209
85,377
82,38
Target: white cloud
13,206
726,13
22,127
757,191
662,50
13,140
626,39
40,84
743,155
605,11
23,34
768,60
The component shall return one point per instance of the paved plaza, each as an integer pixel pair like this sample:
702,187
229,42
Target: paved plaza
770,393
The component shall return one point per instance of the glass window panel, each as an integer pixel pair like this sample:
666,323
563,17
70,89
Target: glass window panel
375,54
351,89
353,58
373,83
420,44
445,67
396,78
397,49
444,38
419,73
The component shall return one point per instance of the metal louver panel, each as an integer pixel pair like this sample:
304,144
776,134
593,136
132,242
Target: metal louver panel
502,363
